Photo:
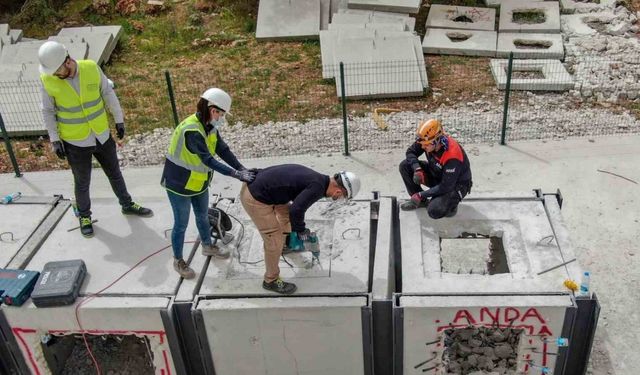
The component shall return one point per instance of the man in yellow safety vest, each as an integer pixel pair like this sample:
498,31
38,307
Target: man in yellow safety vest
74,96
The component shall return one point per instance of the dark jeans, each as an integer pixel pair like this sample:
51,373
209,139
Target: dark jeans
438,206
181,206
80,162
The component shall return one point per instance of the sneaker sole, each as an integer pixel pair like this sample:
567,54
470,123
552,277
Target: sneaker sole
295,288
132,214
88,235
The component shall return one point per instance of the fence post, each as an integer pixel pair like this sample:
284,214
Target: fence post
172,99
7,143
507,91
344,111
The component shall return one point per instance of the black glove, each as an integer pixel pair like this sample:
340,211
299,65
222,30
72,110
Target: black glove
419,177
244,175
58,148
120,130
305,235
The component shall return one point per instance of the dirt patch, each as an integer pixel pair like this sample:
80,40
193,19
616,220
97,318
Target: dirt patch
528,17
527,74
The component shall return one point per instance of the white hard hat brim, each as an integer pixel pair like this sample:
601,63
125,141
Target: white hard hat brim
44,70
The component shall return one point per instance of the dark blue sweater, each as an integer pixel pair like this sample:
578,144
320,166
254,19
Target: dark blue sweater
281,184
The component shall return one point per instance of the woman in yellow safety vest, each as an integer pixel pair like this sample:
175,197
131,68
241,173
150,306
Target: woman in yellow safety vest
188,170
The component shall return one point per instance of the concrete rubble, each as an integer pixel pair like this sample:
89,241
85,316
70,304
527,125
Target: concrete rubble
20,101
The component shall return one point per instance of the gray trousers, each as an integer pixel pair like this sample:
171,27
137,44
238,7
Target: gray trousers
80,162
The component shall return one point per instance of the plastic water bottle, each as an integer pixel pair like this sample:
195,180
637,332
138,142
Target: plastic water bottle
560,342
584,283
10,198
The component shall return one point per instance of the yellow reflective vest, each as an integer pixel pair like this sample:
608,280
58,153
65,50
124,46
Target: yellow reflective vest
77,114
184,173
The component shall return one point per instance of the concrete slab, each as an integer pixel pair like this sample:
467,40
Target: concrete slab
288,20
113,250
361,19
498,3
398,6
116,32
369,67
19,53
460,42
139,316
535,315
535,17
556,77
530,46
578,24
343,267
422,67
376,16
530,241
466,18
572,6
325,14
319,335
383,285
15,235
336,5
4,29
99,44
16,35
369,26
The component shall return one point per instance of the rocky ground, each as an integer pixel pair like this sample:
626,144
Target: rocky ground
605,65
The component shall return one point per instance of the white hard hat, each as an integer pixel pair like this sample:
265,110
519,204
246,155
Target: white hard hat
219,98
51,55
350,182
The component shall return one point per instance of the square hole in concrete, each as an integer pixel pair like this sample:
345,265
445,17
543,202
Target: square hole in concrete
472,349
527,73
528,17
532,44
456,36
473,253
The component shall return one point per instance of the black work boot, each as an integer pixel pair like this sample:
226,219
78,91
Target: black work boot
280,286
86,227
136,209
453,212
410,205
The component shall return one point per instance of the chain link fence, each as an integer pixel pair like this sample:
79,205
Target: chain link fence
479,100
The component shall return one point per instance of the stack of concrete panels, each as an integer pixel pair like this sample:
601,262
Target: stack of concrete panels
454,30
19,75
380,53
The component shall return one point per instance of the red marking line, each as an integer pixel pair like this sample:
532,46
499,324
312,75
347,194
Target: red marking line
17,332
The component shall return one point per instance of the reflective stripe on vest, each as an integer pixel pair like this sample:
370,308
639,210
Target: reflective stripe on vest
77,114
180,155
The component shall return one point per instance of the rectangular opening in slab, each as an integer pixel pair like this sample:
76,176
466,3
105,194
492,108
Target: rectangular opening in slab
532,44
479,349
115,354
457,36
528,73
528,16
473,253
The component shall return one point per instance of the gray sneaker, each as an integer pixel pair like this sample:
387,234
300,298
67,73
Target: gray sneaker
213,250
183,269
410,205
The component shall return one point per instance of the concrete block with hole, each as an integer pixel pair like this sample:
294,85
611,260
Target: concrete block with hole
585,23
455,17
530,46
498,3
573,6
398,6
532,75
460,42
288,20
535,17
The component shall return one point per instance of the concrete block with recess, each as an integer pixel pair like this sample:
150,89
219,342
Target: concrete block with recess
460,42
572,6
556,77
578,24
530,46
398,6
498,3
536,17
454,17
288,20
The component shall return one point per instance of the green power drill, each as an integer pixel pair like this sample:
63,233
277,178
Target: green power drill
311,245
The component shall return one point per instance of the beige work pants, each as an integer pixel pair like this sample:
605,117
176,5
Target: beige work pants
273,222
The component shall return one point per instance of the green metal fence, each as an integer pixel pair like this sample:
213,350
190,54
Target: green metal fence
371,106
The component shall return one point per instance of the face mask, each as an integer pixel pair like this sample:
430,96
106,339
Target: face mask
217,123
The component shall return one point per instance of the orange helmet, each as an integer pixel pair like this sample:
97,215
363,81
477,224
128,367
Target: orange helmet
429,131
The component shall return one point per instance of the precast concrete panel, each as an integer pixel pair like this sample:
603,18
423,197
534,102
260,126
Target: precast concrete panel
556,77
120,316
284,19
530,46
550,22
285,336
119,243
398,6
17,224
343,231
527,231
460,42
456,17
534,321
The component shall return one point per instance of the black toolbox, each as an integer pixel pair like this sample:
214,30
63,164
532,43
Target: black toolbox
59,283
16,285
